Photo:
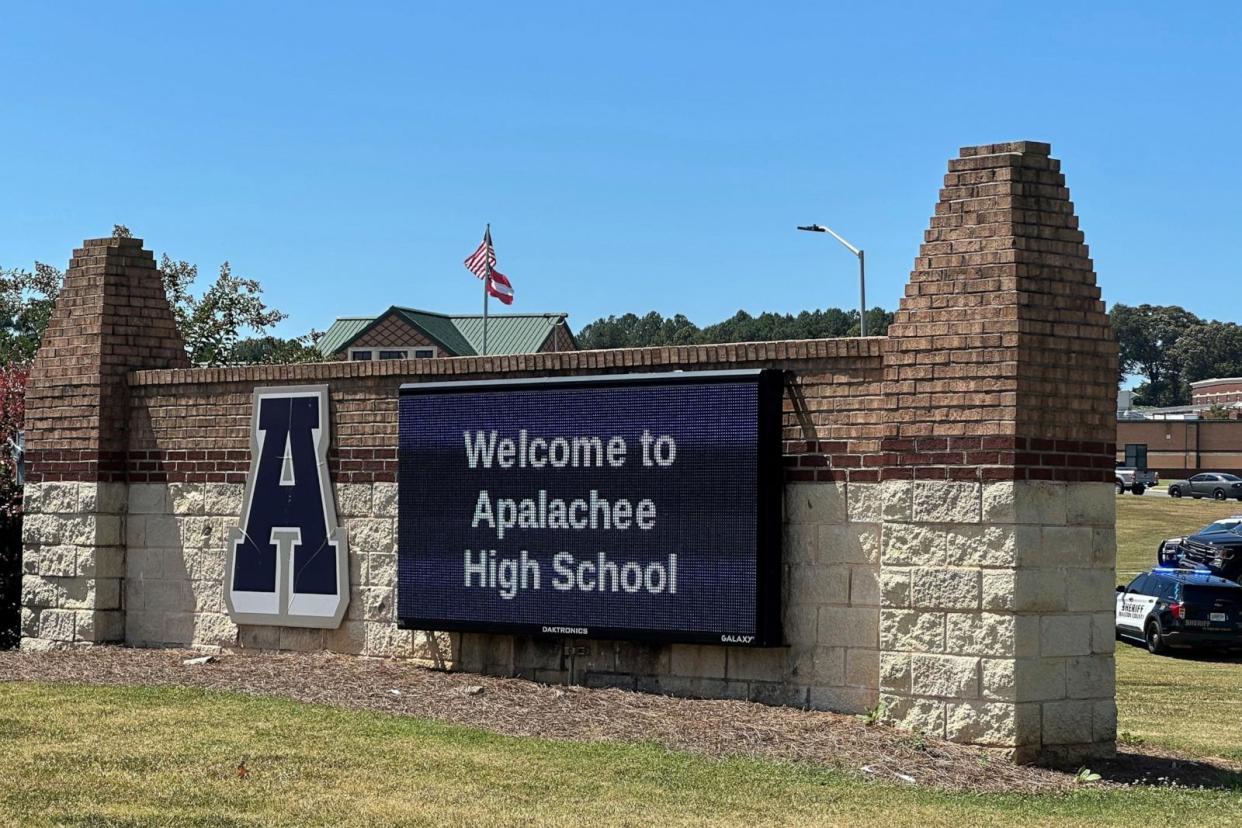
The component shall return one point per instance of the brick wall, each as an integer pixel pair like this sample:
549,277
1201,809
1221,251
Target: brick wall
948,537
184,497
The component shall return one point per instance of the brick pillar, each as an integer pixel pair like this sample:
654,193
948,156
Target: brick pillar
111,317
998,544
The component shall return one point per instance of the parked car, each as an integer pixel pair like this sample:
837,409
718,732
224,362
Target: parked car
1216,485
1166,608
1130,479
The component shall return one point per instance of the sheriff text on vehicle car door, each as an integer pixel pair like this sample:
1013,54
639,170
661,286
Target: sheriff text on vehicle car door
1133,606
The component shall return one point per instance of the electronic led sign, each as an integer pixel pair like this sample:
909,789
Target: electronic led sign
639,506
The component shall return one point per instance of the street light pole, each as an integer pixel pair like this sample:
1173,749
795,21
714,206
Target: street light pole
862,271
862,295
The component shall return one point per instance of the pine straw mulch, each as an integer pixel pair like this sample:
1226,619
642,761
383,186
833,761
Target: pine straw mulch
517,707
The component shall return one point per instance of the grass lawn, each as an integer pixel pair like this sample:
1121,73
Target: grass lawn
1193,703
84,755
1143,521
93,755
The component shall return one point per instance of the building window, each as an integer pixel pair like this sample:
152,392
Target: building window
367,354
1136,456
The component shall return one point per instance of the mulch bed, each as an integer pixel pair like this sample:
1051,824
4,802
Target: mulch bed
517,707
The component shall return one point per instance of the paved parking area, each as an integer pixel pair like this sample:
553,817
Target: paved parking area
1159,491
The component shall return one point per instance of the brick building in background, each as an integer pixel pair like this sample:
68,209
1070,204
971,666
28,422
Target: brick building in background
1180,441
949,535
1222,391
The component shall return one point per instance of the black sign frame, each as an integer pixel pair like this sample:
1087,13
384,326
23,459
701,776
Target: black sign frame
769,482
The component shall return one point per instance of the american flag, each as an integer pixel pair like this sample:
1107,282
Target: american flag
484,259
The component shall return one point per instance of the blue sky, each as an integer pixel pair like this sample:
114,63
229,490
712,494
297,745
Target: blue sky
630,156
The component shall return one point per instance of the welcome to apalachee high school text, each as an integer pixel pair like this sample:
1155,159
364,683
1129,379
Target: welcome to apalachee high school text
509,576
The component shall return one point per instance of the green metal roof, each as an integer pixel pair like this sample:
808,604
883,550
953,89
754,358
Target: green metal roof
440,328
516,333
507,333
342,330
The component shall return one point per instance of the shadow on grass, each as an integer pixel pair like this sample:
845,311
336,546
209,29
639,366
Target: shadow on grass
1208,656
1145,769
1204,656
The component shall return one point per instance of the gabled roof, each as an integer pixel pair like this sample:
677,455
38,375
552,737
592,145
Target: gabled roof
507,333
342,330
516,333
437,326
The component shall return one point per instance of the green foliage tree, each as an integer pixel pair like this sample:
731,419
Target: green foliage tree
26,302
1209,349
273,350
633,331
212,324
1216,412
1147,336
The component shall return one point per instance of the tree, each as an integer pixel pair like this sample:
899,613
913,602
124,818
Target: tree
632,331
1209,349
272,350
26,302
1146,338
1216,412
878,321
212,324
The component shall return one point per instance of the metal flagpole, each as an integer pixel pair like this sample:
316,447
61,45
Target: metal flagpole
487,259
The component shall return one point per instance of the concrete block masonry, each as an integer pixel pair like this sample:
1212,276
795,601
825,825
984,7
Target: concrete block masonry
948,536
956,642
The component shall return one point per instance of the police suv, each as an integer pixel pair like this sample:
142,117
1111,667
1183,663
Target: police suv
1216,548
1168,607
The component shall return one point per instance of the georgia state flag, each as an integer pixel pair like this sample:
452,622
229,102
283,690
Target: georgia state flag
500,287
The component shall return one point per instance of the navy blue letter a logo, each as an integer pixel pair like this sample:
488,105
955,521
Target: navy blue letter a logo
288,561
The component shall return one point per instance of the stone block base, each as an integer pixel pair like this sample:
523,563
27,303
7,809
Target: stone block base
997,626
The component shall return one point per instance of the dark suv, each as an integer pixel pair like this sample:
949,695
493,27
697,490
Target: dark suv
1216,547
1180,608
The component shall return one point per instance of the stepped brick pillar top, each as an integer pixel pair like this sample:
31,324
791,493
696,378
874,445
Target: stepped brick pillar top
111,317
1001,333
998,541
